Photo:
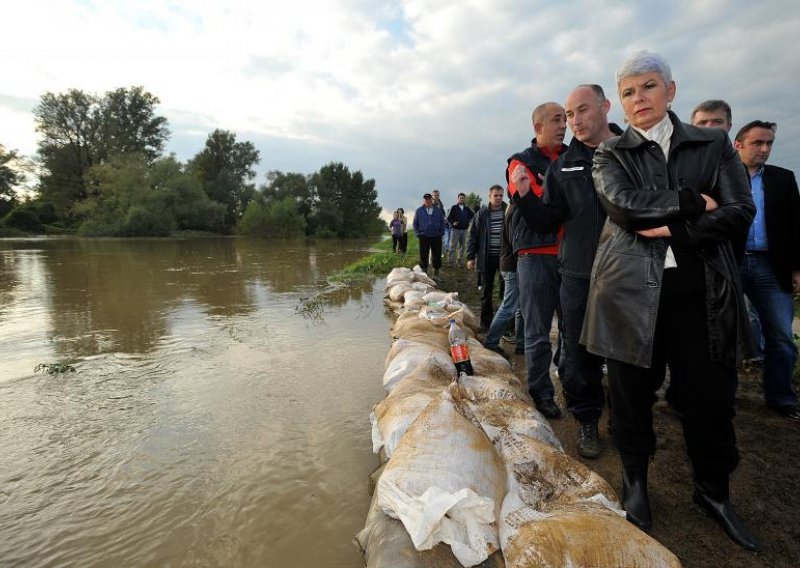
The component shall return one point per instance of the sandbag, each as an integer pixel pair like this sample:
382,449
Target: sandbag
399,274
478,388
385,543
416,357
397,291
584,534
519,417
546,477
391,417
446,483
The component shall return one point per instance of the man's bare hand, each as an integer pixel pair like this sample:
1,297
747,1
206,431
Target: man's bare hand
470,265
655,233
521,181
711,203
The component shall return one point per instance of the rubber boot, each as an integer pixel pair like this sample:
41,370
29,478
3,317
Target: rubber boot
712,496
634,490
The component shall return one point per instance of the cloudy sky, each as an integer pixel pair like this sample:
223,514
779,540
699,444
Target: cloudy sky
416,94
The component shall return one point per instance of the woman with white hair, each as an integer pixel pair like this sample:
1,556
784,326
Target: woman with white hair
665,290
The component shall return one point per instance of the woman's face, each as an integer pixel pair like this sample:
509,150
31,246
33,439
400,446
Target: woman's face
645,98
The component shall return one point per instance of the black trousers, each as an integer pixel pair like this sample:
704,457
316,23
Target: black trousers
582,376
706,388
487,278
430,246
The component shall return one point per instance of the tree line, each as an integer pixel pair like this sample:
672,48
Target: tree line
102,172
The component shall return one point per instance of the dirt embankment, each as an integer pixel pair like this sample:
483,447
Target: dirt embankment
765,488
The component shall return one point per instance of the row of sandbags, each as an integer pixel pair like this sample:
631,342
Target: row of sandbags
475,475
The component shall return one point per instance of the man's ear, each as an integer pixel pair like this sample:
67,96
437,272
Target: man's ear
537,128
737,145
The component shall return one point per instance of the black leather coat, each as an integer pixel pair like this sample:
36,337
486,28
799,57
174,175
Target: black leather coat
640,189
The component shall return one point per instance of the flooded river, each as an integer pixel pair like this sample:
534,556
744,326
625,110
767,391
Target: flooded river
216,415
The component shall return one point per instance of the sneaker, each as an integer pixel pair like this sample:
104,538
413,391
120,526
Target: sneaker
509,337
497,349
436,272
790,411
588,440
549,408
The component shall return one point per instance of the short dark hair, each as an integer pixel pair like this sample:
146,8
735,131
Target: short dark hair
462,193
754,124
495,186
713,105
598,90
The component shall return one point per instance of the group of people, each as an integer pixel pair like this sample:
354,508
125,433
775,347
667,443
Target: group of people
644,243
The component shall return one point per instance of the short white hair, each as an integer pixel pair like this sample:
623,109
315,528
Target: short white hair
644,62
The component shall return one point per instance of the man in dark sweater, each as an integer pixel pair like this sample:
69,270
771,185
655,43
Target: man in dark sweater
485,237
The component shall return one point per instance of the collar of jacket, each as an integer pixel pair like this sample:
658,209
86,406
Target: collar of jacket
578,151
681,134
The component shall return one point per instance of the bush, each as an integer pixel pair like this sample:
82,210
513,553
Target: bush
275,219
24,219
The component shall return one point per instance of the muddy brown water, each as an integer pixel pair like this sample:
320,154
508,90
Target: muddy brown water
216,415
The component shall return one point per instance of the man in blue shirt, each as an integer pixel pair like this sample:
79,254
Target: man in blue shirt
770,267
429,227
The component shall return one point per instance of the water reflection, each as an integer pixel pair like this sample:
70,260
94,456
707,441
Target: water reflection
108,295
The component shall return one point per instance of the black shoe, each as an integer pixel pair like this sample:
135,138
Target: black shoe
634,491
725,515
790,411
588,440
549,408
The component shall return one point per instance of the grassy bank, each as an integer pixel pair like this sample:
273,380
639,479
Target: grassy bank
380,263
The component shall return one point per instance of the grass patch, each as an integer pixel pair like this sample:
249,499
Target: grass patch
378,263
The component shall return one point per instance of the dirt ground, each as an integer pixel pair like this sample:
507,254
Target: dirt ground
765,488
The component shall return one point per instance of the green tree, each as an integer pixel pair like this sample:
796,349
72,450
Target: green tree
281,185
473,200
225,166
10,178
129,124
345,203
78,131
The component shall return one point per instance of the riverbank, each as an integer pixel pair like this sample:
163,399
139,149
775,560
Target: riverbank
765,487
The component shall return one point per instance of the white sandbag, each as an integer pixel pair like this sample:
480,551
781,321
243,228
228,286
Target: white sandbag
422,344
385,543
515,416
420,275
584,534
547,477
398,290
439,298
398,274
413,299
414,358
445,483
392,417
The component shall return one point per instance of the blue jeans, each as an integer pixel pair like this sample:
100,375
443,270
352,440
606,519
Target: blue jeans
583,371
539,283
508,311
775,311
458,245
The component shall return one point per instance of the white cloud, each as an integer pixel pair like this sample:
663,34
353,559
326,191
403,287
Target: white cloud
414,94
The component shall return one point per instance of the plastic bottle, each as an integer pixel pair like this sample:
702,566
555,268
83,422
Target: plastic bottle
459,349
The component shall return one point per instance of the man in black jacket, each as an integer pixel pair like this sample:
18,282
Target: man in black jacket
770,267
537,255
485,239
570,200
459,218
